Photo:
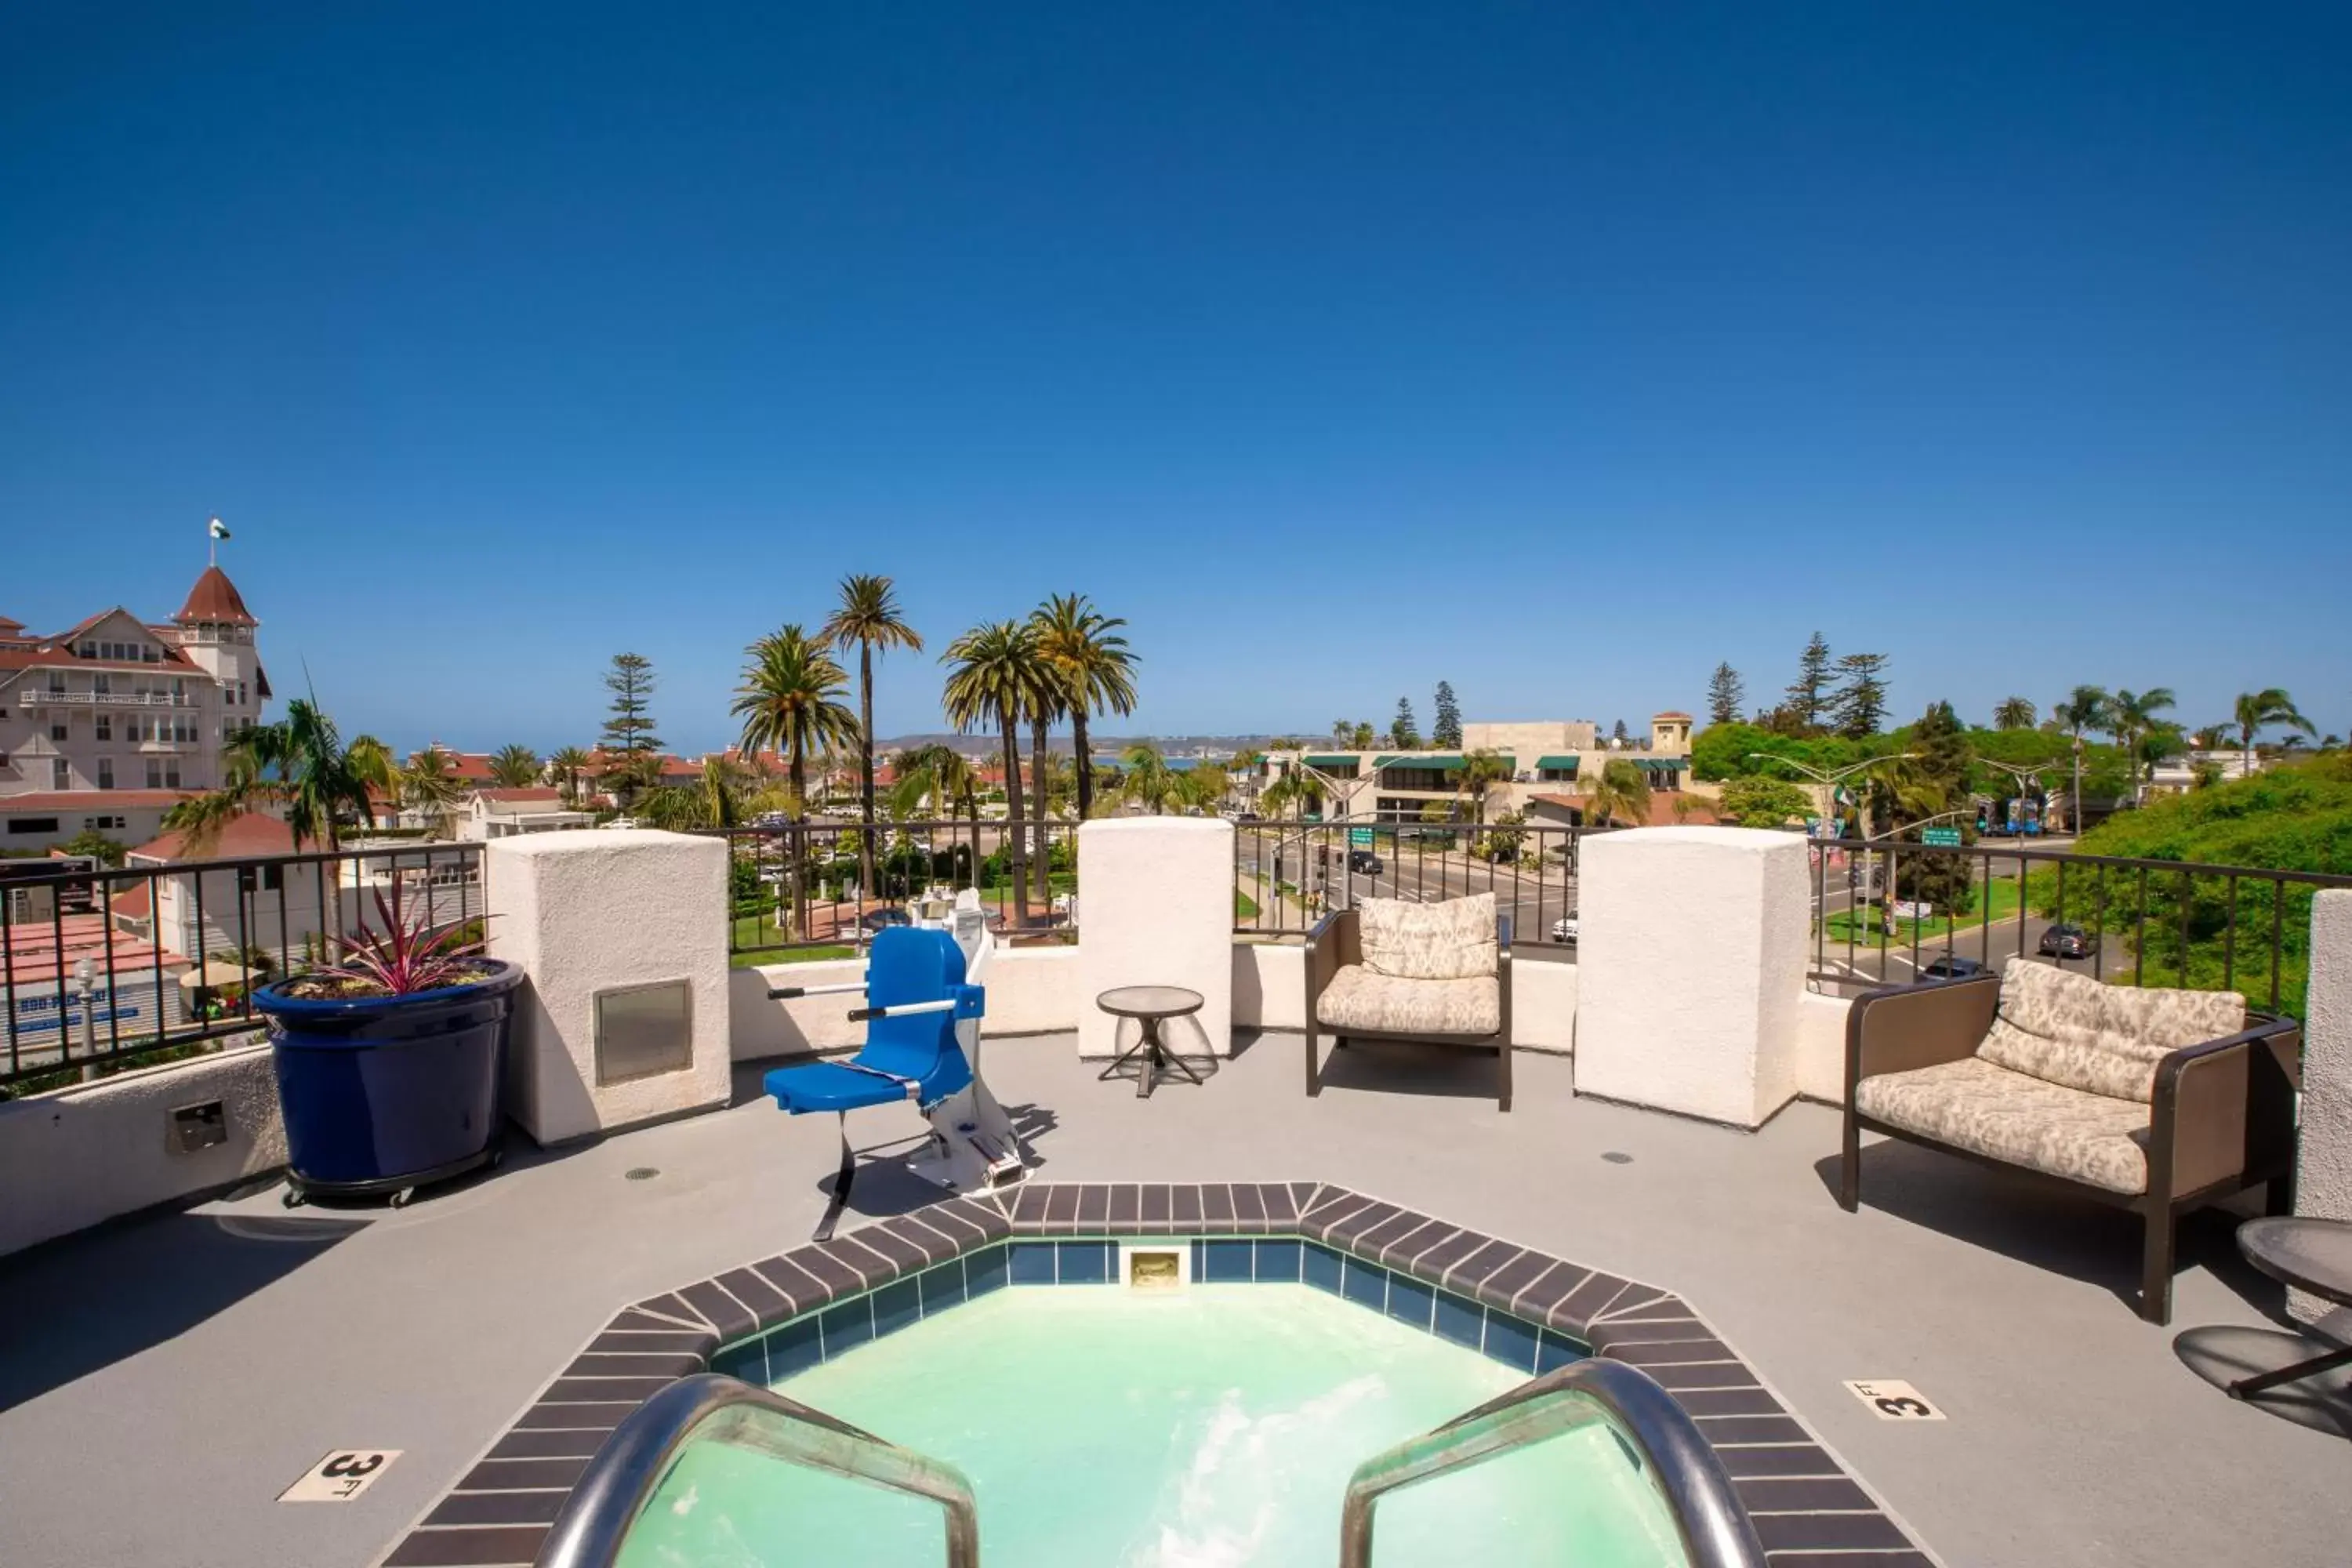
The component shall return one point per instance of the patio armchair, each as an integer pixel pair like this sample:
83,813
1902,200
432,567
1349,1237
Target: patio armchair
1388,969
2153,1101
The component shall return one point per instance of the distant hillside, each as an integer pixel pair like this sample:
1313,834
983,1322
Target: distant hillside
986,745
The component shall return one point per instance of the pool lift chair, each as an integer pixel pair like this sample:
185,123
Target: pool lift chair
923,1009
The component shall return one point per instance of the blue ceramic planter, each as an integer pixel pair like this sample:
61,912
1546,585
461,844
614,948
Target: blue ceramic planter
383,1094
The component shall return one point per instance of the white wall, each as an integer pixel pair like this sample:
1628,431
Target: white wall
591,911
89,1152
1820,1047
2323,1179
1157,909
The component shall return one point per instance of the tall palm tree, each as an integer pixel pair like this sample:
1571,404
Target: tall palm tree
2255,711
1620,792
718,800
789,702
937,781
1481,771
300,764
567,764
1365,738
515,767
1083,648
867,615
2085,708
2132,715
428,782
2013,713
992,667
1043,706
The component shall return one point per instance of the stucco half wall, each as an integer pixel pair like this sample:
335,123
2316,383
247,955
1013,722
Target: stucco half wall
1156,908
2323,1184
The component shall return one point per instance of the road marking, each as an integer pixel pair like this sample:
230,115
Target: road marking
1891,1399
341,1476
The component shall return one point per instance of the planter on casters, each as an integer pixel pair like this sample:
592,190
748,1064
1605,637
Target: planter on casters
386,1094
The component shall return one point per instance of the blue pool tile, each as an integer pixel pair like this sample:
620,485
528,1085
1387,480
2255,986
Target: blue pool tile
984,1271
794,1348
1200,1259
1366,1284
1511,1342
942,1287
1322,1268
1552,1352
1278,1261
1228,1261
748,1361
1032,1263
895,1305
848,1326
1409,1301
1086,1262
1458,1320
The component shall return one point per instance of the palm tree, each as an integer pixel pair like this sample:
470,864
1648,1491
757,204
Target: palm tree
2255,711
567,764
299,764
1620,792
2013,713
1148,780
867,615
2085,708
718,801
937,780
2132,715
1291,793
1481,771
991,668
1082,646
789,702
515,766
427,782
1365,738
1043,706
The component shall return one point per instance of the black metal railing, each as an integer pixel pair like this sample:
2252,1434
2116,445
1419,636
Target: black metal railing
101,969
798,890
1888,912
1286,875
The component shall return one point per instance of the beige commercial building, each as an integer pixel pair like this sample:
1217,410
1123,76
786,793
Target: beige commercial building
1540,758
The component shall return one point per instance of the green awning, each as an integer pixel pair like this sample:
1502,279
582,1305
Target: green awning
1329,761
1558,765
1661,765
1443,762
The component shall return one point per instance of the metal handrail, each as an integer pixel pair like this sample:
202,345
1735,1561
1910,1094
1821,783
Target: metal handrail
1713,1527
711,1406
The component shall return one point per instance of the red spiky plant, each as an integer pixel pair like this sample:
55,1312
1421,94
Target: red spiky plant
405,957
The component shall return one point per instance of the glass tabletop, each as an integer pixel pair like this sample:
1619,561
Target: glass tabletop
1149,1001
2315,1253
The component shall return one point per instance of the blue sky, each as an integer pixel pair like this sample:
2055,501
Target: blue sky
1556,351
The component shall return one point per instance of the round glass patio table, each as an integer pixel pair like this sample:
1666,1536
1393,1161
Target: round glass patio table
2309,1254
1150,1005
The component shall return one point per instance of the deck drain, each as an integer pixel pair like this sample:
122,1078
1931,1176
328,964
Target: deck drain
643,1172
1616,1157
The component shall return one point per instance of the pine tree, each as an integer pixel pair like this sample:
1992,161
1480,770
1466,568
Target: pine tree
1620,733
1935,782
630,727
1445,729
1403,734
1810,695
1725,692
1859,704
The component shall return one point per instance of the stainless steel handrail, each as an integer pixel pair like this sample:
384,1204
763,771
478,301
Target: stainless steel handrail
1714,1528
709,1406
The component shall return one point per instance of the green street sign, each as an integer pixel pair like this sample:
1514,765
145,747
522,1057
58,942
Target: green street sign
1947,838
1360,838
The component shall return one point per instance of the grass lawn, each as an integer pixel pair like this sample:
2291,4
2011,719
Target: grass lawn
1863,926
1244,906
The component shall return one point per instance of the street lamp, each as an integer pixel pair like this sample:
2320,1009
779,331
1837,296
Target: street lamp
2024,775
1830,779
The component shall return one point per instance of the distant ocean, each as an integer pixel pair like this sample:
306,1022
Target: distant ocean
1175,764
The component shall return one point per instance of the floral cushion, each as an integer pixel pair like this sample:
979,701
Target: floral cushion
2017,1118
2079,1033
1358,999
1451,940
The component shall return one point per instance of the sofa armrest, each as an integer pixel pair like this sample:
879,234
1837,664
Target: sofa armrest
1332,944
2224,1108
1503,976
1910,1026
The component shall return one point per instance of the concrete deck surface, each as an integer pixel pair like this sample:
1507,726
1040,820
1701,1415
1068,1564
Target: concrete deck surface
162,1381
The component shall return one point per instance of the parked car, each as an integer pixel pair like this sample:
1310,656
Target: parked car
1949,965
875,920
2066,941
1564,929
1364,861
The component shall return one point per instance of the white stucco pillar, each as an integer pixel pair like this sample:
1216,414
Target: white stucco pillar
2322,1182
1156,908
624,936
1691,965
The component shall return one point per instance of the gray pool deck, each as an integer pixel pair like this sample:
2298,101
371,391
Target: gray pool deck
163,1380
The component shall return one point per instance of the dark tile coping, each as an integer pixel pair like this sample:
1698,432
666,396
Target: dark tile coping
775,1316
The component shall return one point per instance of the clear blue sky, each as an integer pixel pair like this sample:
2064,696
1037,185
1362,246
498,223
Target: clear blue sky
1556,351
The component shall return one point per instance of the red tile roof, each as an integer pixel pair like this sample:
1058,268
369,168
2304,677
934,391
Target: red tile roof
90,799
249,837
215,598
37,954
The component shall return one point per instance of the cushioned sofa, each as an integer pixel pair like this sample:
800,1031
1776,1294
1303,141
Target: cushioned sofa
2154,1101
1388,969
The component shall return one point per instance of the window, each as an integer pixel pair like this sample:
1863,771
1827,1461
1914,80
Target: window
260,878
100,824
57,681
105,723
151,655
57,729
101,683
60,773
32,825
154,774
172,773
106,772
